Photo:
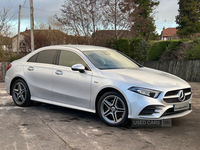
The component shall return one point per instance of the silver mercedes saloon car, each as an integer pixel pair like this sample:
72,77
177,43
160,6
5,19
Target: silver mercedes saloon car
98,80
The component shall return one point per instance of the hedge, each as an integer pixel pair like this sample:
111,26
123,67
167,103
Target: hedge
123,46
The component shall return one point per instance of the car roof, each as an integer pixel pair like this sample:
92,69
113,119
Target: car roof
80,47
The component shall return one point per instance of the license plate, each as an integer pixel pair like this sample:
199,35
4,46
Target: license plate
136,123
183,106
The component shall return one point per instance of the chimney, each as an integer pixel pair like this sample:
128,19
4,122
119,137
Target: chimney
164,28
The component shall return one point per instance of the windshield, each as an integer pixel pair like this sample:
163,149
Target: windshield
109,59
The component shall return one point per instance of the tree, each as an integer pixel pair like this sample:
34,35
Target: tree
114,17
142,17
56,25
40,26
188,17
40,40
80,16
5,24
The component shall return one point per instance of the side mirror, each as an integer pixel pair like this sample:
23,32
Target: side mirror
78,67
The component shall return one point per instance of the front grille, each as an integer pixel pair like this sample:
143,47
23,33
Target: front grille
171,111
172,96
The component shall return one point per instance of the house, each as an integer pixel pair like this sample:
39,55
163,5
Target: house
168,34
99,37
106,34
41,38
44,38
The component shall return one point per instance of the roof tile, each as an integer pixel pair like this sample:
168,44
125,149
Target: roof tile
169,32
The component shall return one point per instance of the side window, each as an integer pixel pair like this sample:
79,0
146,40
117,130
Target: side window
33,58
69,59
46,56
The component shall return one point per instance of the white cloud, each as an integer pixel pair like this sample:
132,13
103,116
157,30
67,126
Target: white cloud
43,9
165,16
166,13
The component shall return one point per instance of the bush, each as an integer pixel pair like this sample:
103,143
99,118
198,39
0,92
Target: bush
139,49
110,43
123,46
173,45
194,53
134,43
134,46
156,50
1,54
142,50
12,57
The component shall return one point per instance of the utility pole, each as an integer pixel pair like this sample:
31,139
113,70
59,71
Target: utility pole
32,25
18,37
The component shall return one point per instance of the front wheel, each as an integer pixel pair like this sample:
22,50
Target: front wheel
112,108
21,93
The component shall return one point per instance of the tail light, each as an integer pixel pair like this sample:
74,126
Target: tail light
9,66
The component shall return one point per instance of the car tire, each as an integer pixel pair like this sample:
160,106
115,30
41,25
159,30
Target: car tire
21,93
112,109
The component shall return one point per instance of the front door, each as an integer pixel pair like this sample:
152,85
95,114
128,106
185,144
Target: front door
71,87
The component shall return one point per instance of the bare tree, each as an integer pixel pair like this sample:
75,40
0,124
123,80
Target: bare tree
5,22
114,17
56,25
40,26
82,17
5,25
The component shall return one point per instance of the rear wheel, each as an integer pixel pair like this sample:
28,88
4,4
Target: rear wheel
21,93
112,108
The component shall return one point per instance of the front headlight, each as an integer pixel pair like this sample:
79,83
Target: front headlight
146,92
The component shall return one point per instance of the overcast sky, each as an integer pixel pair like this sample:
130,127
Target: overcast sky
43,9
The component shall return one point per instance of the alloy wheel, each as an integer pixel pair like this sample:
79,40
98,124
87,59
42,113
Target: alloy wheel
112,109
19,93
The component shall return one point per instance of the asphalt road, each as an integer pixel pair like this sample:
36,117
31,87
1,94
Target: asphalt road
47,127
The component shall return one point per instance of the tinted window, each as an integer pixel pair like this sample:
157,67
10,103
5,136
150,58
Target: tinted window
69,59
46,56
33,58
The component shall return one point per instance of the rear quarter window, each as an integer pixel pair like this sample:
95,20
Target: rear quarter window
46,56
33,58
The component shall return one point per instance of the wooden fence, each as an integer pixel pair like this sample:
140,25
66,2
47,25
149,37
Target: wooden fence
187,70
3,66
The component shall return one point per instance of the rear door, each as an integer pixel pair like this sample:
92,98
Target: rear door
38,73
71,87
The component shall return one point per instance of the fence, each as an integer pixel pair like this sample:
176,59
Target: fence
3,66
187,70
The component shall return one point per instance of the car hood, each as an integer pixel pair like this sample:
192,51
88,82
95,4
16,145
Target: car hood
146,77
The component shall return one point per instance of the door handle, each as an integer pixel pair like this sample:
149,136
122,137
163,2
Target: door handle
30,68
58,72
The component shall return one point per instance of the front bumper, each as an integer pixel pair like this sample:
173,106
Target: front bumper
143,107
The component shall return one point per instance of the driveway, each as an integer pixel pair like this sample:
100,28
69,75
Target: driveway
47,127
